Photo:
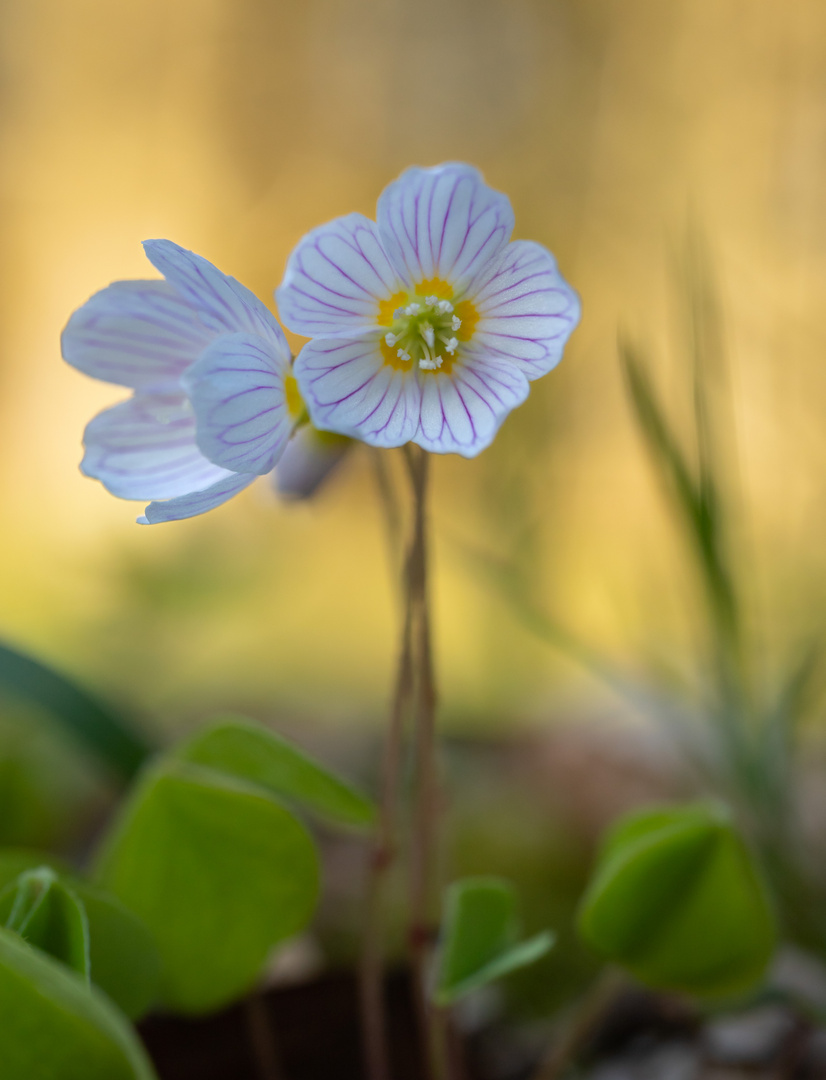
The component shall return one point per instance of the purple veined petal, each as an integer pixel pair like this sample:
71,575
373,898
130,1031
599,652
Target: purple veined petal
443,222
527,311
223,304
335,280
308,459
196,502
348,388
462,411
141,334
144,448
238,394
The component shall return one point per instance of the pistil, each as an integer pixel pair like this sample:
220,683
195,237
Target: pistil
424,330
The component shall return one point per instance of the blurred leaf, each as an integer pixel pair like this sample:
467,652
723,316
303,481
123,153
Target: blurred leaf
57,1028
696,497
677,900
113,741
251,752
123,956
49,915
220,873
86,929
13,861
480,931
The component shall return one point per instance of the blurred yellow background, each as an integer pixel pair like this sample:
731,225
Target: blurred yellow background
232,127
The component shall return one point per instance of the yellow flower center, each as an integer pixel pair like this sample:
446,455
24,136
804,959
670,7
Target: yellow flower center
425,328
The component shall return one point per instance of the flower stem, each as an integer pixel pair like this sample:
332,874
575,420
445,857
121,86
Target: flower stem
422,847
383,850
414,692
262,1037
598,1001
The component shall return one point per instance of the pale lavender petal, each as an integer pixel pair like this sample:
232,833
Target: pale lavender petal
223,304
142,334
309,458
335,280
527,310
237,391
462,411
348,388
443,223
144,448
197,502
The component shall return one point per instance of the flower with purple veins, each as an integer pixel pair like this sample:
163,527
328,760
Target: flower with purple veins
429,324
214,401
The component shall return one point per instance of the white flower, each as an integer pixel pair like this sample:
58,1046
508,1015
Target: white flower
215,400
428,325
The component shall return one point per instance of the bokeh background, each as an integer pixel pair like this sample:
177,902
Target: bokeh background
232,127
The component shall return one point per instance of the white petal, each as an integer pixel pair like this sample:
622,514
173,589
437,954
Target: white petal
144,448
198,502
462,411
527,310
142,334
348,388
237,391
309,458
223,304
443,222
335,279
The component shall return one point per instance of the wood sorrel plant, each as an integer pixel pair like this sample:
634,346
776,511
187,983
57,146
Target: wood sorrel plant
426,328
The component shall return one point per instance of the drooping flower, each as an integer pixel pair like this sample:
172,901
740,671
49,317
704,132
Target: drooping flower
308,459
427,325
214,401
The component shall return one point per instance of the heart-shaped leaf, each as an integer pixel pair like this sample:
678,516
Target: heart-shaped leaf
479,938
252,752
677,899
218,871
54,1027
123,956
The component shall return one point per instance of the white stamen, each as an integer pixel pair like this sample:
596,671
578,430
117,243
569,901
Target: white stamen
452,345
402,355
428,364
391,339
428,334
413,309
455,323
397,314
444,307
431,301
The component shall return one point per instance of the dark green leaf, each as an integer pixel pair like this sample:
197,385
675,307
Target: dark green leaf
480,938
106,735
48,914
677,899
54,1027
252,752
220,873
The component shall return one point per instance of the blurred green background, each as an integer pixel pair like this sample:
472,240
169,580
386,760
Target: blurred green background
232,127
